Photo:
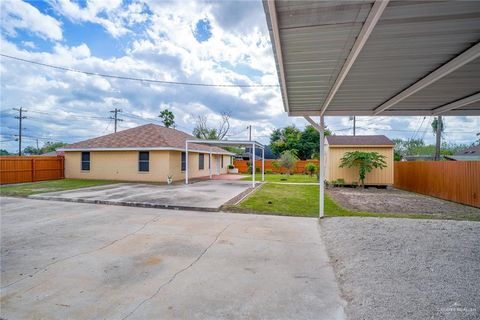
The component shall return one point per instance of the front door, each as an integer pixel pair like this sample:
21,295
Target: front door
217,164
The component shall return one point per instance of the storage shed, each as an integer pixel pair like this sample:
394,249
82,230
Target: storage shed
337,146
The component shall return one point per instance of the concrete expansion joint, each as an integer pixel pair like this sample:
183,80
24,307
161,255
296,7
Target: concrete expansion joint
44,268
172,278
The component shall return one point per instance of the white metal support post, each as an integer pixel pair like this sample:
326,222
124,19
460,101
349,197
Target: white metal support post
263,164
210,164
321,168
186,162
253,165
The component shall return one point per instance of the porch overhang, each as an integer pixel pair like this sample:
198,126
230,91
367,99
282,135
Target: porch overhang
377,58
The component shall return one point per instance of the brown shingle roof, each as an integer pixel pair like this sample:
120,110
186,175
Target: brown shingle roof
146,136
359,140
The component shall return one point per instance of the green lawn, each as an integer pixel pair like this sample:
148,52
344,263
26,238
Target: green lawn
275,177
26,189
301,200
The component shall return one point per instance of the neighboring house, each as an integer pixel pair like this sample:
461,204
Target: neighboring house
337,146
470,154
145,153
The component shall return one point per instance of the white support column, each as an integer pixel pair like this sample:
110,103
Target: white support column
186,162
321,169
210,164
253,165
263,164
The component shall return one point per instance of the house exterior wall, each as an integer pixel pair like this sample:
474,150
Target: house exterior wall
117,165
333,155
123,165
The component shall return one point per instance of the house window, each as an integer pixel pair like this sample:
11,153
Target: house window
85,161
201,161
184,161
209,161
222,160
143,161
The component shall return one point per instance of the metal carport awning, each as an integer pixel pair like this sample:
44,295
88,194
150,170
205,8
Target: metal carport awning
370,58
219,143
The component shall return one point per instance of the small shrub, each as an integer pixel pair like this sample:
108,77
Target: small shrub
250,169
231,166
341,182
268,171
258,170
311,168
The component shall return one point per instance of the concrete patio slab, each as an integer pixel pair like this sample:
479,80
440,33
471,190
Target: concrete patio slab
205,195
62,260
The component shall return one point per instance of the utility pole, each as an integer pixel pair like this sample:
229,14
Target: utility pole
20,117
115,117
438,136
354,125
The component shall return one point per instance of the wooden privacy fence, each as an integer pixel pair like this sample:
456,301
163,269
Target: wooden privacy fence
457,181
30,169
242,166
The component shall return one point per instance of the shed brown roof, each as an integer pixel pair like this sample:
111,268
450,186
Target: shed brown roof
359,140
146,136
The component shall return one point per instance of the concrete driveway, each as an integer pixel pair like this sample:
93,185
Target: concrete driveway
62,260
205,195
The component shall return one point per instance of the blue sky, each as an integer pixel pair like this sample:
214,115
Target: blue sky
193,41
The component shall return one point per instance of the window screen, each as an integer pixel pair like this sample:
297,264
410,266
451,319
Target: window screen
184,160
85,161
201,161
222,160
144,161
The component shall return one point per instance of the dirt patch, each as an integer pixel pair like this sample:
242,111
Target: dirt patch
397,201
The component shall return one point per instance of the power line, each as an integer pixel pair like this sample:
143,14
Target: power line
140,79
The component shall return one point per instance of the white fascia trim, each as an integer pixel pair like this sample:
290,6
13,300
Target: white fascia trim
272,21
367,29
145,149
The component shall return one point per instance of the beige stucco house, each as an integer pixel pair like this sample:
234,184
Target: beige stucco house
337,146
145,153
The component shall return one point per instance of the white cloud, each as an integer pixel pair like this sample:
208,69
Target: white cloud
21,15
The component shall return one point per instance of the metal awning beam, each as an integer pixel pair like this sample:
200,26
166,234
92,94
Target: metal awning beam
367,29
457,104
313,123
457,62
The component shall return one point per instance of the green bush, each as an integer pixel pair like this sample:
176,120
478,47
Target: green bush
311,168
268,171
231,166
258,170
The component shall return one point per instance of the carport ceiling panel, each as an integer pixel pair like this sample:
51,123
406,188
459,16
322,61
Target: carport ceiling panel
411,40
316,38
460,84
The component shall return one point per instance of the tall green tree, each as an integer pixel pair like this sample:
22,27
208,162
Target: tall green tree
288,160
4,152
304,143
365,161
168,118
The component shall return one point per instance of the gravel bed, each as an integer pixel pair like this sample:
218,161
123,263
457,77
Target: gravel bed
405,268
